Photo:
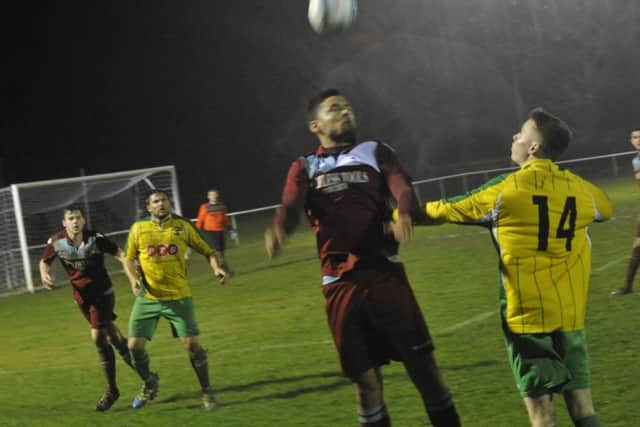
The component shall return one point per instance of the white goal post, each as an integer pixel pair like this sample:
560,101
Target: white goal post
31,212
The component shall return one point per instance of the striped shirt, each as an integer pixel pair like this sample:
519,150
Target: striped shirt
538,218
160,249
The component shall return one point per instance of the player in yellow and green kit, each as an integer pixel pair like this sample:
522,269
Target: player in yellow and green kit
538,218
159,243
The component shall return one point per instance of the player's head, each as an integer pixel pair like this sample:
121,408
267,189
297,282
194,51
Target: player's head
634,138
330,117
158,204
73,220
542,135
213,195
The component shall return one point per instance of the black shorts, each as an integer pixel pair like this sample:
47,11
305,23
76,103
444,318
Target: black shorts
215,239
374,317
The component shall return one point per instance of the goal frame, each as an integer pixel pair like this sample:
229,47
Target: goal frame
84,179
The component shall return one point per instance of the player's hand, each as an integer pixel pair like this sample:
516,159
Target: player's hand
402,228
47,281
273,240
221,274
136,288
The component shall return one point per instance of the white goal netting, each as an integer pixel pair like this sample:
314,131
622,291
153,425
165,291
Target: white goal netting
31,212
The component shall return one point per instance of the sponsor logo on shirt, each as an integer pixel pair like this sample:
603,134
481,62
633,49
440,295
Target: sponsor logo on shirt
161,250
338,181
79,265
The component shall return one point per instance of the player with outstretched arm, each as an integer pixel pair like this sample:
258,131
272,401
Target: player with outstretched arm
538,217
344,187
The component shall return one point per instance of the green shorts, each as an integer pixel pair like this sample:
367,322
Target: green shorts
548,363
146,312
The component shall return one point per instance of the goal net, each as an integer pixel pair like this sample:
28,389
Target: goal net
31,212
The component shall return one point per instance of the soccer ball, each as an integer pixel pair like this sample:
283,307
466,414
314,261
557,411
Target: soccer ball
331,15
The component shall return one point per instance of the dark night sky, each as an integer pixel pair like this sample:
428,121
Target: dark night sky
219,88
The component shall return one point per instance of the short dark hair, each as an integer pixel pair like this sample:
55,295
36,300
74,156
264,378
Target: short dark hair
72,208
157,192
555,133
635,130
314,102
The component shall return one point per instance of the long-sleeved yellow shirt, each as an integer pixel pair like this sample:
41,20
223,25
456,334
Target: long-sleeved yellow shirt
538,218
160,249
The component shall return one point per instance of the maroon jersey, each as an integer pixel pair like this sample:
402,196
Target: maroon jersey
346,195
84,264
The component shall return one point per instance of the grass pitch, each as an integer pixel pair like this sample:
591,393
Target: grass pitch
271,357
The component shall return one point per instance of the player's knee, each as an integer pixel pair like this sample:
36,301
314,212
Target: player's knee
424,373
579,403
136,345
541,411
191,346
368,387
99,336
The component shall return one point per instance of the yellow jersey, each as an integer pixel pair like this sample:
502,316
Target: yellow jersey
160,249
538,218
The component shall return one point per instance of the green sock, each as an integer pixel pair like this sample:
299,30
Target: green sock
590,421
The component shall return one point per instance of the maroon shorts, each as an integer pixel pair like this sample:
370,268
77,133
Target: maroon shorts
98,310
374,318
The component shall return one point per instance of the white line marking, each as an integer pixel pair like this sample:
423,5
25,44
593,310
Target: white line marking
607,265
469,321
477,318
180,354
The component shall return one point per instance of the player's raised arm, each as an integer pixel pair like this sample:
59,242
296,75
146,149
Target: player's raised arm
408,210
287,216
474,207
601,203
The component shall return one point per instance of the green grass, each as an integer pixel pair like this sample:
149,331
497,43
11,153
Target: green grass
271,357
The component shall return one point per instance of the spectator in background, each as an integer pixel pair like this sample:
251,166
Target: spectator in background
213,222
634,261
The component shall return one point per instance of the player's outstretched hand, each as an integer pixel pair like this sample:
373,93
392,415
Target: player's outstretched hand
273,239
402,228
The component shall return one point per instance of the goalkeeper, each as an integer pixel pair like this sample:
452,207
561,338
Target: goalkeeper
538,217
213,221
